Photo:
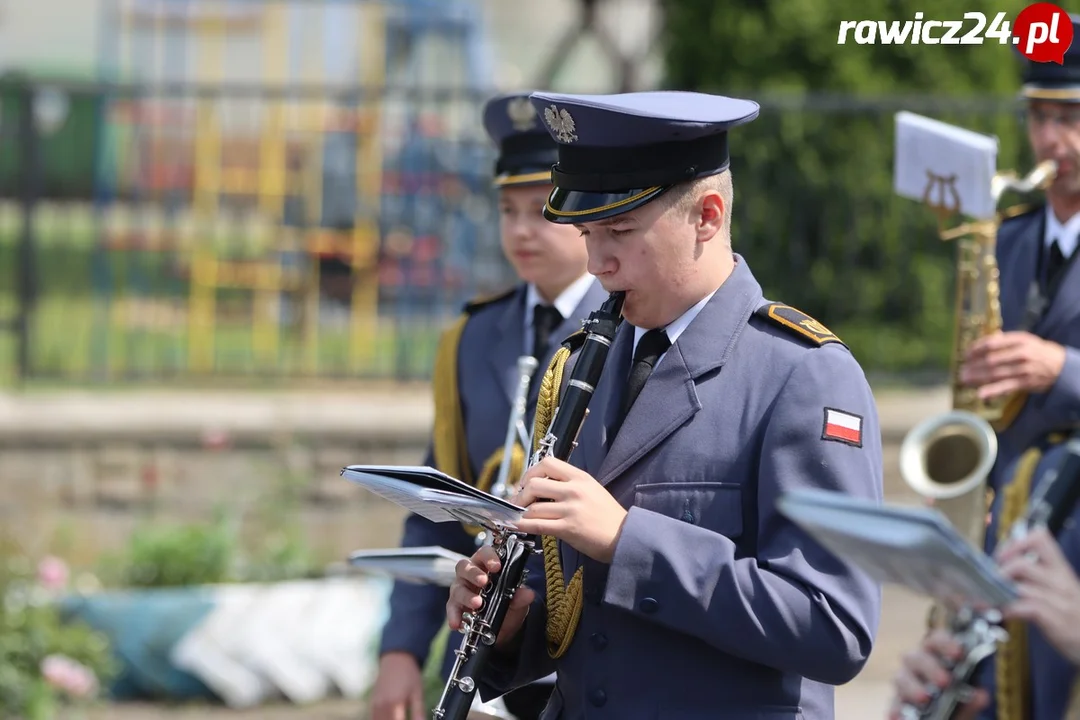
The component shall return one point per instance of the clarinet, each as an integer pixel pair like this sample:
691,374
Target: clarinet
513,547
979,633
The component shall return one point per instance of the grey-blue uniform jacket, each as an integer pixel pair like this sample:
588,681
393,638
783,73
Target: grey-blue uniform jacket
487,377
715,605
1020,240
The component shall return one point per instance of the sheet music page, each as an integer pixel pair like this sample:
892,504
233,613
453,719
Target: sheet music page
403,494
431,478
477,511
911,546
423,552
943,163
424,565
428,493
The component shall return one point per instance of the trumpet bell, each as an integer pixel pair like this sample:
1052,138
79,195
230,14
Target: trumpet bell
948,455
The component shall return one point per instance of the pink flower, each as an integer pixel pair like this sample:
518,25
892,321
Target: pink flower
52,573
215,439
69,676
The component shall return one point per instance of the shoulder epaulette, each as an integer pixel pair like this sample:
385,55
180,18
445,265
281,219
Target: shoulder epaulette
479,302
797,323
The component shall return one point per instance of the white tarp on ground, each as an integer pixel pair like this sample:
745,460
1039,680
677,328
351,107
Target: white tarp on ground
302,640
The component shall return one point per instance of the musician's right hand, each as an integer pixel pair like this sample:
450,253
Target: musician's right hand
398,692
471,576
925,667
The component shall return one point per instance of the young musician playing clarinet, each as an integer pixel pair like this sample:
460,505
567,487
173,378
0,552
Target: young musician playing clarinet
677,589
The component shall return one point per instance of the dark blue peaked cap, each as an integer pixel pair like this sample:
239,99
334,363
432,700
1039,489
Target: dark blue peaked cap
526,150
618,152
1050,81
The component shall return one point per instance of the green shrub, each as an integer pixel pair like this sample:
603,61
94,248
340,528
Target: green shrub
178,555
39,649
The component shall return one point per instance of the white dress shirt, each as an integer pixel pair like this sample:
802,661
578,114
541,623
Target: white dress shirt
1067,234
566,303
675,328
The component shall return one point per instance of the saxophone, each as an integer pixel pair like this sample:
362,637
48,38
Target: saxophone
513,547
947,458
979,632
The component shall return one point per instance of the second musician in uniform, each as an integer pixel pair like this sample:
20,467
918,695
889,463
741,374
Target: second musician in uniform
475,381
1037,357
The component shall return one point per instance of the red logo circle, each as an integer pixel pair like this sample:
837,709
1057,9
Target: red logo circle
1043,32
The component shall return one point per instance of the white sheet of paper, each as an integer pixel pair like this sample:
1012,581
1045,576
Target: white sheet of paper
426,565
910,546
433,495
933,157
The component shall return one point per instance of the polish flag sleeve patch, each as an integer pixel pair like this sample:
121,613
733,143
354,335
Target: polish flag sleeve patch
842,427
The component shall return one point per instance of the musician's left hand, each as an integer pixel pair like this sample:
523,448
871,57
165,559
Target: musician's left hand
580,511
1007,362
1049,590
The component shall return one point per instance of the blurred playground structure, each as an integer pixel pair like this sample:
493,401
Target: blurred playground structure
291,190
251,189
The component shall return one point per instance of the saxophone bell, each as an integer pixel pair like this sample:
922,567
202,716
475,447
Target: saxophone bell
947,459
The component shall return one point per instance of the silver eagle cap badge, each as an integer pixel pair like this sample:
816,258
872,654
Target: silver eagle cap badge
521,113
561,123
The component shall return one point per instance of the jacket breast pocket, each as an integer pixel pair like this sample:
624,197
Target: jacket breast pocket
715,506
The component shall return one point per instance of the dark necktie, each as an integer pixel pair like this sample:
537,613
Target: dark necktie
652,345
1055,263
545,319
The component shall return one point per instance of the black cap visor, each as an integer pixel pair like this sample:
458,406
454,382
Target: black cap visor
568,207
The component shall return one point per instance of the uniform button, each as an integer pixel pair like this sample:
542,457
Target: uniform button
599,641
648,605
598,697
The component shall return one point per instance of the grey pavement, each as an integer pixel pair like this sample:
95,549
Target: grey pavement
370,412
404,416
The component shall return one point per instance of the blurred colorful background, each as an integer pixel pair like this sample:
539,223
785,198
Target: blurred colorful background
231,231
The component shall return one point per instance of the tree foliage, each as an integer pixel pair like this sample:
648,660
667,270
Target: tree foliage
815,212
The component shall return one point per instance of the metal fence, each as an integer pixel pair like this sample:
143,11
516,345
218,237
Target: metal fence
236,208
188,224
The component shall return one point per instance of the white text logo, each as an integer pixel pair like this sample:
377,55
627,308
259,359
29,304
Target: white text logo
974,29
